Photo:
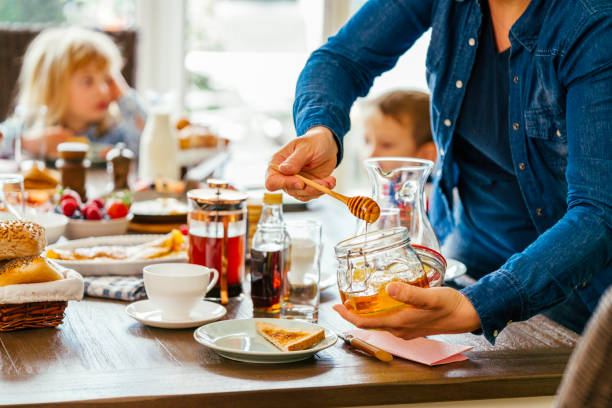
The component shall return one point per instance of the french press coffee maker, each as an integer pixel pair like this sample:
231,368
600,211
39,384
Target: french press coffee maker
217,235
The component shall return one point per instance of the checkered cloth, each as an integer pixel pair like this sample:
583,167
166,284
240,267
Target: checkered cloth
128,288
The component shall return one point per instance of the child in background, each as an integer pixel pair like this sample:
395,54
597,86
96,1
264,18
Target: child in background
75,73
397,125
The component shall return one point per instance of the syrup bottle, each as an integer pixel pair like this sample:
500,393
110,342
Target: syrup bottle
270,256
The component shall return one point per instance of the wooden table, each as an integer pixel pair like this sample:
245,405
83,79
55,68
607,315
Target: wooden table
100,356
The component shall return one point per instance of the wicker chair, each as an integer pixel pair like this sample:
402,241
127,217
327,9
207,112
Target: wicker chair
587,381
15,39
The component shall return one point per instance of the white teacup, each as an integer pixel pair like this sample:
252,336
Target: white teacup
176,288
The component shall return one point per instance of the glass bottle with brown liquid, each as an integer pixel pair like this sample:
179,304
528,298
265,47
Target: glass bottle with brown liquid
270,256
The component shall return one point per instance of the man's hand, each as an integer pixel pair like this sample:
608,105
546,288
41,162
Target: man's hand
429,311
314,154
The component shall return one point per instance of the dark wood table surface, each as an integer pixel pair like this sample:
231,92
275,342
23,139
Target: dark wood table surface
100,356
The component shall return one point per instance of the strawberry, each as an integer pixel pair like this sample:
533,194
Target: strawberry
68,193
117,209
92,212
69,207
97,202
184,229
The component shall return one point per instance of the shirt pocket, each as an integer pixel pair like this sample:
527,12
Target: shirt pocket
546,124
547,138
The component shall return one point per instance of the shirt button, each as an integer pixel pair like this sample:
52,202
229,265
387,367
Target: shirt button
441,152
584,284
558,133
515,126
509,321
515,80
447,122
495,333
522,166
459,84
539,212
472,42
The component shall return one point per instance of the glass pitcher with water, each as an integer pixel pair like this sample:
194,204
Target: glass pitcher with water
398,185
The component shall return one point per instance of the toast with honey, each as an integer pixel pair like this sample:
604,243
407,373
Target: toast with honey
286,339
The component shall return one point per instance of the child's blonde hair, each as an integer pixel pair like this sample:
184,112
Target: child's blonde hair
407,108
51,59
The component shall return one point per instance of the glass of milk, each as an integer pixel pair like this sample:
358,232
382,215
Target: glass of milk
300,291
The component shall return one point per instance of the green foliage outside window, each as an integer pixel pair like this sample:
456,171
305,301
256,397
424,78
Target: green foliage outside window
32,11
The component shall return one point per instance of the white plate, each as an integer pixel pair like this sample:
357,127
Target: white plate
89,268
454,269
146,313
238,340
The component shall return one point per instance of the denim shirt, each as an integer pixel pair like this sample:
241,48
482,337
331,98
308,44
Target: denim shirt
560,119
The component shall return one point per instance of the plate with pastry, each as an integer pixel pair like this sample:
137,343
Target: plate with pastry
264,340
119,255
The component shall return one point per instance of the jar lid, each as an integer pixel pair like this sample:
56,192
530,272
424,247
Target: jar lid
374,241
73,147
120,151
217,196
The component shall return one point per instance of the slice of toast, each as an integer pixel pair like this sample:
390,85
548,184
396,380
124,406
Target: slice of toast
287,339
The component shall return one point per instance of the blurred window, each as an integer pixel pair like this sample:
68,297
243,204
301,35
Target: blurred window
247,52
105,14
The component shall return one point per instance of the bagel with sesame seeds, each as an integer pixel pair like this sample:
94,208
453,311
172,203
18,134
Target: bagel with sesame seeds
21,238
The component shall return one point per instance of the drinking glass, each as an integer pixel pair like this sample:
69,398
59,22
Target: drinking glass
300,288
12,197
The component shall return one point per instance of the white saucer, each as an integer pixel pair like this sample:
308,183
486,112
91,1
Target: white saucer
146,313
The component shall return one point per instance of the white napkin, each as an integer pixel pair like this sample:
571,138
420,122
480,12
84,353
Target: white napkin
69,288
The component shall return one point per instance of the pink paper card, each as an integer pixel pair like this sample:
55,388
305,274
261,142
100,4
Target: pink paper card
422,350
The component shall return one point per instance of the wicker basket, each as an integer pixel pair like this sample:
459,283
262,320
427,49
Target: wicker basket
31,315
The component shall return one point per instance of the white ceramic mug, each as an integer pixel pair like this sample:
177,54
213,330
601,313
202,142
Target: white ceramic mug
176,288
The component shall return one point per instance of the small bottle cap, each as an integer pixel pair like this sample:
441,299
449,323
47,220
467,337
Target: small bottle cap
273,198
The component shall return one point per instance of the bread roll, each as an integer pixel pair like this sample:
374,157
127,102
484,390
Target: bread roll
30,269
21,238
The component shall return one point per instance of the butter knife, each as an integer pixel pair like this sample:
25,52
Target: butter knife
368,348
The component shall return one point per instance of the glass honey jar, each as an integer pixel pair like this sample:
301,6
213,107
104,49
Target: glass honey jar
368,262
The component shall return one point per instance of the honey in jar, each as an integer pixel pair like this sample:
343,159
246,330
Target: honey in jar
369,262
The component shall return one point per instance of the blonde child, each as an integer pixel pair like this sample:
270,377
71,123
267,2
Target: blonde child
75,74
397,125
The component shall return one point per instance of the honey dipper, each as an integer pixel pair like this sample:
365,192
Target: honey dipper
361,207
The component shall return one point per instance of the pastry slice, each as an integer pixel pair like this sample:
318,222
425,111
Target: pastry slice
29,269
287,339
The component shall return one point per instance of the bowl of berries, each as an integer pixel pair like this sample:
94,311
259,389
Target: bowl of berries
97,217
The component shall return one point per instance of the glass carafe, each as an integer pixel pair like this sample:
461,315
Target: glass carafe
217,235
398,185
